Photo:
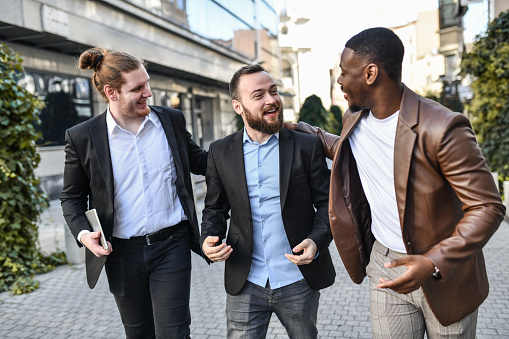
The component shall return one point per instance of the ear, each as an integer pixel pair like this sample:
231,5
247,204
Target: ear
110,93
237,107
371,73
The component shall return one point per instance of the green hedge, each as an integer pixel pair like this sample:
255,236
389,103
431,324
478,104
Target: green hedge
21,202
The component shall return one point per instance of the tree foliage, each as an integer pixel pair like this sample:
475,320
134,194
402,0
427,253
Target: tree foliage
488,63
335,120
21,202
313,112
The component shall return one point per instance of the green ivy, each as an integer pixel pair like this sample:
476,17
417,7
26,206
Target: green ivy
488,63
21,202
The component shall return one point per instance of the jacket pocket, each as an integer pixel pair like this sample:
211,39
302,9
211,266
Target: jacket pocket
232,239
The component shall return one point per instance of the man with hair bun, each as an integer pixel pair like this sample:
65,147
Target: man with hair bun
132,164
412,200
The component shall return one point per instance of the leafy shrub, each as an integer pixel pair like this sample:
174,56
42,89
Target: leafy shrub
21,201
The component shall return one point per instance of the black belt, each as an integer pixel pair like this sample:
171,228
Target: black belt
153,238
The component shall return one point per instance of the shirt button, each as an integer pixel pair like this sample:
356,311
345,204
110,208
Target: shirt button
261,202
263,222
265,242
259,165
268,262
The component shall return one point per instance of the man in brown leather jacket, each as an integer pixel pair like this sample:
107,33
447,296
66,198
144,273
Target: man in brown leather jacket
411,195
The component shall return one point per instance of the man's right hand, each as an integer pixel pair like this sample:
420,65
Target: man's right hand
215,253
91,241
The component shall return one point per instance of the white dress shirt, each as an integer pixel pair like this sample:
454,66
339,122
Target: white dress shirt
145,196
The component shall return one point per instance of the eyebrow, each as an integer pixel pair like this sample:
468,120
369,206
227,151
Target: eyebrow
139,85
261,89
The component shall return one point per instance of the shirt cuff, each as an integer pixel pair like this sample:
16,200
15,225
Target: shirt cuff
81,234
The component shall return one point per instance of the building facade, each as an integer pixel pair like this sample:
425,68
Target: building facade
305,69
423,65
192,48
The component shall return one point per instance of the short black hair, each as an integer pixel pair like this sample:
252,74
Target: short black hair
380,46
234,82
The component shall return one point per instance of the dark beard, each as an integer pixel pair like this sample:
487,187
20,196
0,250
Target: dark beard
260,125
354,108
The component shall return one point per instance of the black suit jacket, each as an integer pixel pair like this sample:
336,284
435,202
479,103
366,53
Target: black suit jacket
304,186
88,177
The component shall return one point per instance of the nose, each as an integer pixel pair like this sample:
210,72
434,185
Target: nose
147,92
270,98
340,80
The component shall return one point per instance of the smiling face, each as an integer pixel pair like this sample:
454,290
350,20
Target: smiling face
353,80
131,100
259,105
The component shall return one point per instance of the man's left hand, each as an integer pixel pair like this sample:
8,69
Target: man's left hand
419,269
308,248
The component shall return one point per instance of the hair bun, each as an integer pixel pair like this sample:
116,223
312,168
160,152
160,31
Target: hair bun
91,59
97,62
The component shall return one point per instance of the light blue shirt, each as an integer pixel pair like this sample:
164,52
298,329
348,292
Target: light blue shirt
270,242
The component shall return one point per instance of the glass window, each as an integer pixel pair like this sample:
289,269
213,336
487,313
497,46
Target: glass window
181,4
448,13
244,9
267,17
214,22
231,23
67,102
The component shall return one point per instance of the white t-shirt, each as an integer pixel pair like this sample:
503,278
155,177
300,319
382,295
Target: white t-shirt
372,144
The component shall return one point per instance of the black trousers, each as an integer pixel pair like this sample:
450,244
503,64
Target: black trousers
151,285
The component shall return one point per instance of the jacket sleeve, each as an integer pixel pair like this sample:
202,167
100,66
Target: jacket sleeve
319,182
464,167
197,156
330,141
217,207
76,189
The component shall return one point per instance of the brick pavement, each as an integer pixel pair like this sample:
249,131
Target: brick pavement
64,306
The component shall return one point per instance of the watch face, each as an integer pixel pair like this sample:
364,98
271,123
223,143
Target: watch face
436,275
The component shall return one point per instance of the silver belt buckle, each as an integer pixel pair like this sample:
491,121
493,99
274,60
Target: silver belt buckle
147,238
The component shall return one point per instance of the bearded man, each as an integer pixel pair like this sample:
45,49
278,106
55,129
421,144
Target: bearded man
275,184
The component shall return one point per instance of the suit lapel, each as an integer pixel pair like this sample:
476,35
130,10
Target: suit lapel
99,133
286,148
169,131
404,147
237,153
351,122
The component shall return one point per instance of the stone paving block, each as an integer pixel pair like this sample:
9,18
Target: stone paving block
490,331
200,336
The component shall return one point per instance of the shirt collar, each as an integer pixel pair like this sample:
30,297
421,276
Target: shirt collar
111,123
246,137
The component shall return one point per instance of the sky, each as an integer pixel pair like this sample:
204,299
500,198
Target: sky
342,19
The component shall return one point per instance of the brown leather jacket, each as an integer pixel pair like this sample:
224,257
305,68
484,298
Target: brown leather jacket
448,203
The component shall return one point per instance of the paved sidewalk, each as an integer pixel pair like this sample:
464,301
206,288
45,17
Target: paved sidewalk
64,306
